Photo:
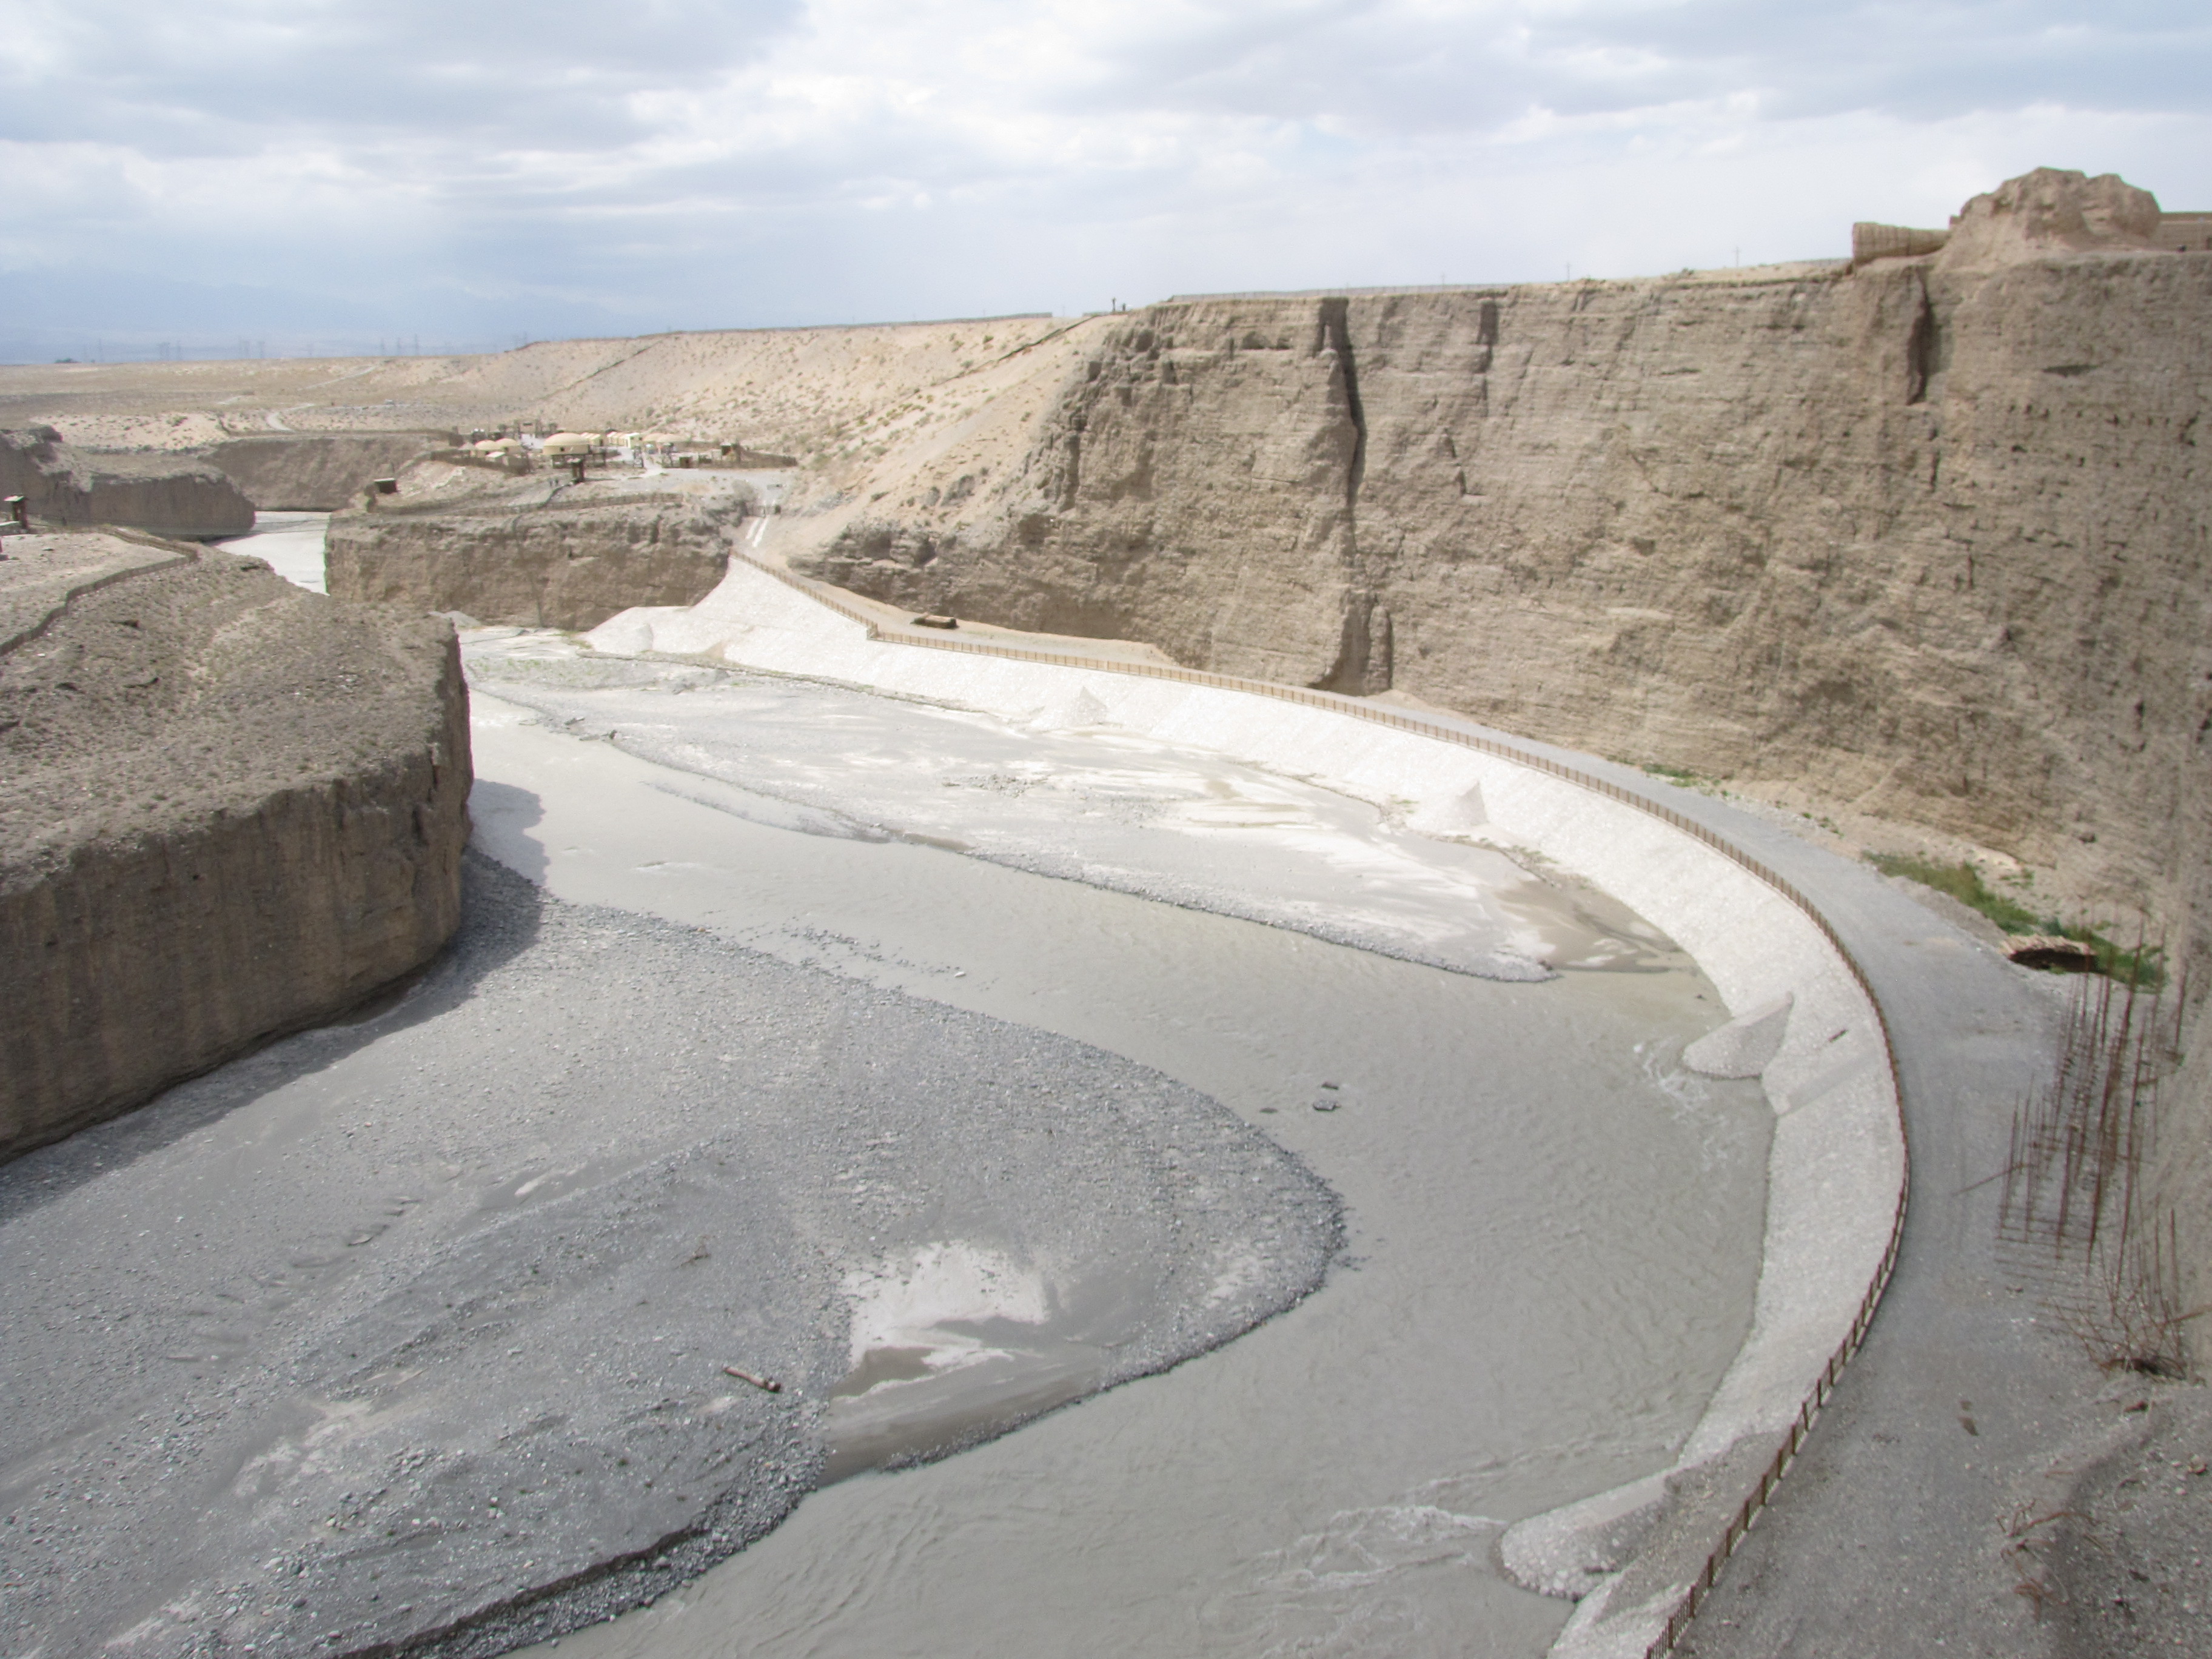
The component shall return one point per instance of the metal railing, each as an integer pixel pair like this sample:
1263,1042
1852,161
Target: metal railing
1809,1408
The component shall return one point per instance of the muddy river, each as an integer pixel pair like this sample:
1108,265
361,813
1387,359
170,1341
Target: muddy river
1553,1231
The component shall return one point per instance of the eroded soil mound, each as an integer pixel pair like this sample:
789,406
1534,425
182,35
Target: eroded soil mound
228,808
537,552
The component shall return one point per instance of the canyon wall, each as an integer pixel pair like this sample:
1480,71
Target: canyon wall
229,809
317,472
68,489
571,561
1929,539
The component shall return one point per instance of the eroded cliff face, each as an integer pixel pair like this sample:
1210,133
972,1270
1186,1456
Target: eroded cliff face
317,472
1930,542
1932,539
68,488
228,809
569,562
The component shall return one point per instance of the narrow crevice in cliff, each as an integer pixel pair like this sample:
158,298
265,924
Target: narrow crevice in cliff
1071,474
1335,335
1920,345
1356,670
1362,665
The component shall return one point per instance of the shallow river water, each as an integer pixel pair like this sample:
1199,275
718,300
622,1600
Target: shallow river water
1553,1231
292,543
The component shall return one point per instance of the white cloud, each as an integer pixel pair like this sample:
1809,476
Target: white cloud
698,162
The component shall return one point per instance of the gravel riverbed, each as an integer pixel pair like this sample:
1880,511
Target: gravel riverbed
421,1326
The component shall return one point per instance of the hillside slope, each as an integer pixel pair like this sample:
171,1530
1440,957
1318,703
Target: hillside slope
801,392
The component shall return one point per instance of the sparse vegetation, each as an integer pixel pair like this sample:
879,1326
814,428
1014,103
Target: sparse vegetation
2139,965
1680,775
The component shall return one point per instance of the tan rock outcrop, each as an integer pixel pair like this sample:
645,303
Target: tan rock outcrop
169,494
1926,541
229,808
2049,211
317,472
552,558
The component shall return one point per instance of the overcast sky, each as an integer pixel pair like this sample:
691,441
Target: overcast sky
338,172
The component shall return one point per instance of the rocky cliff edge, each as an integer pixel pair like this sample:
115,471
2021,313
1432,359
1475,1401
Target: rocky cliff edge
229,809
535,552
69,488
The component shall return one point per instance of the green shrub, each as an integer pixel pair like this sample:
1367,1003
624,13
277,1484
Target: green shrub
2140,966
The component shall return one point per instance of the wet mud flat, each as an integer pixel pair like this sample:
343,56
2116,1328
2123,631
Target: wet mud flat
425,1330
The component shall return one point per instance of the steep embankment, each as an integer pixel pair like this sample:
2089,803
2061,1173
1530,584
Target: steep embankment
1929,543
229,808
71,488
537,554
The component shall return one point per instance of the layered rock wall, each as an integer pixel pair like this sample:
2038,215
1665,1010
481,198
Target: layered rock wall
570,561
1930,542
228,809
68,488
